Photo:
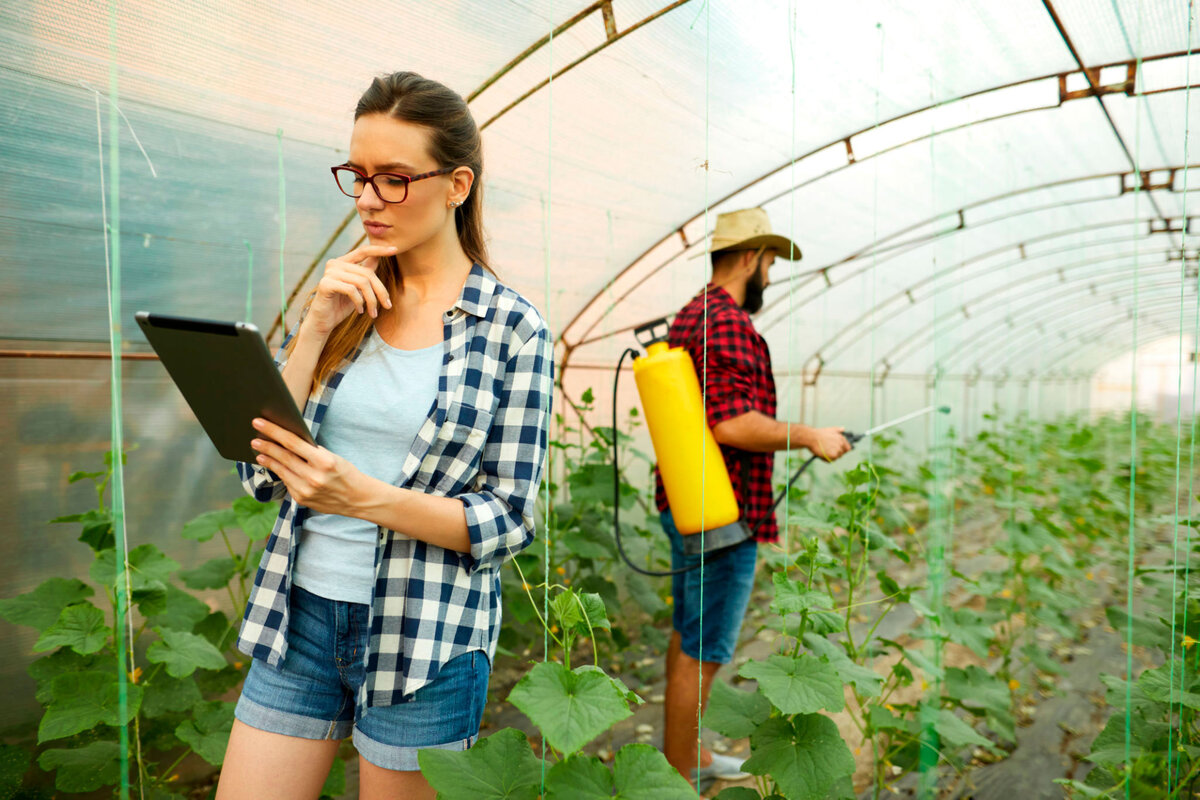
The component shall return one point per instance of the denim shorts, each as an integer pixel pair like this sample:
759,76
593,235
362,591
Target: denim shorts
726,592
312,695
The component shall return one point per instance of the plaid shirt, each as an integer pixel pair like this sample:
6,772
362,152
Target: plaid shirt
484,444
736,377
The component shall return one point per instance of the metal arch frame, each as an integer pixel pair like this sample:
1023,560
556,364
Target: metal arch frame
893,250
1095,90
1155,311
1035,322
612,36
1016,343
906,293
1103,355
923,334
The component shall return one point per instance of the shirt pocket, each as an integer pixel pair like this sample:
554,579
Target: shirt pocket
459,446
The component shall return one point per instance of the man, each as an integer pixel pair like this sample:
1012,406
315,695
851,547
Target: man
734,367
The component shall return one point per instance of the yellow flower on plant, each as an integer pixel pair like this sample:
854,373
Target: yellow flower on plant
670,600
1080,521
1089,575
554,629
889,706
1188,641
561,570
987,489
911,529
174,777
136,675
1014,684
924,685
1006,592
566,581
526,586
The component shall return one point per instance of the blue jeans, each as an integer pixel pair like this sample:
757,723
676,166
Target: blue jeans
312,695
719,602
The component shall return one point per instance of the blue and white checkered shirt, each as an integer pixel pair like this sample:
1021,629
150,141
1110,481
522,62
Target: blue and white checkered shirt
485,444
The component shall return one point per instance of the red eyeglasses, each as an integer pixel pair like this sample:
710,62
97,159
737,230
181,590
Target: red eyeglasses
393,188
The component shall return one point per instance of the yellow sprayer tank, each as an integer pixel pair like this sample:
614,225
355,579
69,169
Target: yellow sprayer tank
689,459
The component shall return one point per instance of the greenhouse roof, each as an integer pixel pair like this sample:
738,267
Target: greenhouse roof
961,176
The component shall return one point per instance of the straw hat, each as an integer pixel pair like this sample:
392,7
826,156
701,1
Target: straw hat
750,229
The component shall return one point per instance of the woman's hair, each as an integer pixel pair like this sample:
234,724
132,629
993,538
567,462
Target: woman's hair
454,141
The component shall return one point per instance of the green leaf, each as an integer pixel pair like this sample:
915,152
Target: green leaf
643,593
734,713
183,653
180,610
955,733
571,708
640,772
588,541
165,694
254,518
14,763
932,671
149,568
97,531
41,608
597,615
738,793
84,769
80,627
868,681
500,767
798,685
76,477
207,732
977,688
83,700
805,755
216,628
565,610
335,782
967,628
49,667
579,777
793,597
209,524
214,574
1163,684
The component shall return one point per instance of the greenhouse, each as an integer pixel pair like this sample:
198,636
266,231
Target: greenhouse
746,399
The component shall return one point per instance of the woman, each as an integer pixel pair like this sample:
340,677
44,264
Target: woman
427,386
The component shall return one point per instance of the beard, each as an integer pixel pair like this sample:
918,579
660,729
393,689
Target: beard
754,293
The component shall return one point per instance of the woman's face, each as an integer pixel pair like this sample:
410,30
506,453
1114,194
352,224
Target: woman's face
381,143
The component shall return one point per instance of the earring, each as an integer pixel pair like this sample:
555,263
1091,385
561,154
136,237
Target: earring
455,203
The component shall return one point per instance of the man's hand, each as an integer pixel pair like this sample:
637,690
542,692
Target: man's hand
829,443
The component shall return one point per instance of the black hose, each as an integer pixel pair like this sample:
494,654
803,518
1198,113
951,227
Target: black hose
617,493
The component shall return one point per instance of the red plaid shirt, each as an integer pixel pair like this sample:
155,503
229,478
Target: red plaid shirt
736,377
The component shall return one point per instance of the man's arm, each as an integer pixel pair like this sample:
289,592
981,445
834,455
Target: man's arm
758,433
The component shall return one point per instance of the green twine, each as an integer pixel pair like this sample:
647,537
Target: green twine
1172,760
249,280
704,399
121,581
1131,554
547,205
282,231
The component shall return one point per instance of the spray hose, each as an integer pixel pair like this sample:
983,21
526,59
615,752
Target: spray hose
853,438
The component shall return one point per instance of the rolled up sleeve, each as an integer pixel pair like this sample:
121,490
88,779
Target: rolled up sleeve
500,514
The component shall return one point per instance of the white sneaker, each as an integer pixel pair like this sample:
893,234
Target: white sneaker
726,768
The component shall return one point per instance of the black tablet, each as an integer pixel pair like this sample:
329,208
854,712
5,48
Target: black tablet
227,376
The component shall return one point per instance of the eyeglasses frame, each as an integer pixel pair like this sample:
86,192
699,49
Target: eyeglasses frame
408,180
